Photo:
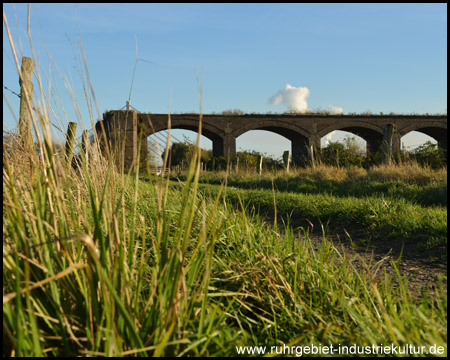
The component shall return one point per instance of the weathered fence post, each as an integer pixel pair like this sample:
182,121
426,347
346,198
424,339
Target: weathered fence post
286,160
70,139
312,156
387,144
85,145
260,160
26,103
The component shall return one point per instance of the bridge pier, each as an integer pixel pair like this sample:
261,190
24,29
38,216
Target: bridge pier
121,128
442,143
304,149
388,143
225,146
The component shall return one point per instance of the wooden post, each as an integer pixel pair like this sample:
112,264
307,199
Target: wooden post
85,145
286,160
311,155
26,103
260,159
70,139
387,144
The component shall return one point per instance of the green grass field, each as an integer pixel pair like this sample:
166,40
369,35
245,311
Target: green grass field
407,209
98,261
119,266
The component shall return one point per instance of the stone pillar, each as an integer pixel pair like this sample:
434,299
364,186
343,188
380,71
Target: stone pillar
388,144
442,143
396,144
300,153
225,147
229,147
301,149
143,152
122,136
218,147
314,149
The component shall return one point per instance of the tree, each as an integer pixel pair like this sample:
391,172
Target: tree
347,153
429,154
182,152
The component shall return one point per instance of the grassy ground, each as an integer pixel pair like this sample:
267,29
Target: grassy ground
411,207
97,262
411,182
147,268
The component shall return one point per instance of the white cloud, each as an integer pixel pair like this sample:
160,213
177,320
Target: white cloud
336,110
328,137
293,97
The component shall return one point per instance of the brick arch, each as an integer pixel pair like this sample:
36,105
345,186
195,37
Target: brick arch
436,130
300,138
418,126
370,132
210,131
283,128
355,127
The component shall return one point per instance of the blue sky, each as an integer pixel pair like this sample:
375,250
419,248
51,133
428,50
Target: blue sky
359,57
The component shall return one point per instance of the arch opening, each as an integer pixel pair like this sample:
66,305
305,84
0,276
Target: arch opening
418,137
372,137
347,139
414,139
265,142
282,139
157,142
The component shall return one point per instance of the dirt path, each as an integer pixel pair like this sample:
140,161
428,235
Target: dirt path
422,273
421,268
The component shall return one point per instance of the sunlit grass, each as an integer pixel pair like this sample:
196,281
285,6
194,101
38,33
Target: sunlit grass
99,263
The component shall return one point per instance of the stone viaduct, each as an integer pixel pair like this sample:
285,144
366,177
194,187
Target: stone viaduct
125,129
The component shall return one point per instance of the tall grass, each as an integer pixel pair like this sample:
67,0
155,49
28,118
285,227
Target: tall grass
416,185
99,263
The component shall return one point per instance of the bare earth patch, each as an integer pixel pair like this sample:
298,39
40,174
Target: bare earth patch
422,269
